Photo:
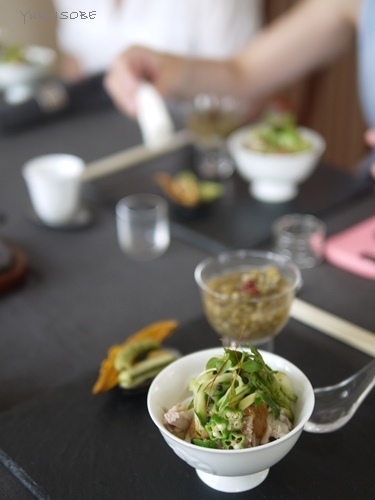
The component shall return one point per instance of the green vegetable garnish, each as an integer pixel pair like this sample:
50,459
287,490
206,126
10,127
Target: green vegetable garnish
235,441
186,189
135,365
12,54
277,133
130,352
205,443
217,427
229,385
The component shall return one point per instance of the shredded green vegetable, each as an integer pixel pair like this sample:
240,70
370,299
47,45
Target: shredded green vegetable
277,133
227,387
12,54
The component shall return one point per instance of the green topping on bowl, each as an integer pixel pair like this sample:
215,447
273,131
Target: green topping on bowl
277,133
238,402
12,54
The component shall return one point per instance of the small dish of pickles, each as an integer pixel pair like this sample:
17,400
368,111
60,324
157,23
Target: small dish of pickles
189,196
22,68
132,365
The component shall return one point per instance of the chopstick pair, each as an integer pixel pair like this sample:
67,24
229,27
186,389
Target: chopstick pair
335,327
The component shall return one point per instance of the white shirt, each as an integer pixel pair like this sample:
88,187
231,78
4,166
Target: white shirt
199,28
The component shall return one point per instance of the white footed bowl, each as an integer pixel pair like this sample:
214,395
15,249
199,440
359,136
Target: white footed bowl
18,79
274,177
226,470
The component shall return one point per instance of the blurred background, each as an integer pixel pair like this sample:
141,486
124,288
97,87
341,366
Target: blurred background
41,32
326,101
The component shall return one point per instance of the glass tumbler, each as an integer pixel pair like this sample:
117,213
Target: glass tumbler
143,226
300,237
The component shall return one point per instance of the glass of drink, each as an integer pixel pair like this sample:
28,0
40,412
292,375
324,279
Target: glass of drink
211,118
247,295
143,226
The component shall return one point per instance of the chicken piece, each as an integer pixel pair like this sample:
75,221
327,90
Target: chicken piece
276,428
281,426
178,419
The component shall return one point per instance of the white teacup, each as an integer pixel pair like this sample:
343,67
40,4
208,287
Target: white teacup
54,186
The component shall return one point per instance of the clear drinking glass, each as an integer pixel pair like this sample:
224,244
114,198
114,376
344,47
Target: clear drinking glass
143,226
300,237
211,118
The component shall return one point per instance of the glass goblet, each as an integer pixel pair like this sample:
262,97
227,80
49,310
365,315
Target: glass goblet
247,295
211,118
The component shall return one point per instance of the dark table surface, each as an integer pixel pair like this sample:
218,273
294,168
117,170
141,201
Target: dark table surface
82,295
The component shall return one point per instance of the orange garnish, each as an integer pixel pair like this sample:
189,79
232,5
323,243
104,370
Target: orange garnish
181,190
108,375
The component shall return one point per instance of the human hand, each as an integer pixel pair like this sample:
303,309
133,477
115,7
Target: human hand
164,71
370,139
70,68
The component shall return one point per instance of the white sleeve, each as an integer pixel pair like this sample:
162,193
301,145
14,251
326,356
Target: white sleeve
65,32
85,37
69,32
225,26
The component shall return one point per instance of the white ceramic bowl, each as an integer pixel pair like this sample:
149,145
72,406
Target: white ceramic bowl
17,79
274,177
226,470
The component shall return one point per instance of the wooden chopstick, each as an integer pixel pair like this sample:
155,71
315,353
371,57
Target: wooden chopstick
335,327
133,156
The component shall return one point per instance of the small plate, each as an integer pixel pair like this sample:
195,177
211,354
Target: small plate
82,219
135,391
191,213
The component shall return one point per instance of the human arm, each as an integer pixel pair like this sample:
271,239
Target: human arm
70,69
370,139
311,34
171,75
308,36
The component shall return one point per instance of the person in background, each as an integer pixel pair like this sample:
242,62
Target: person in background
214,29
311,34
370,139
